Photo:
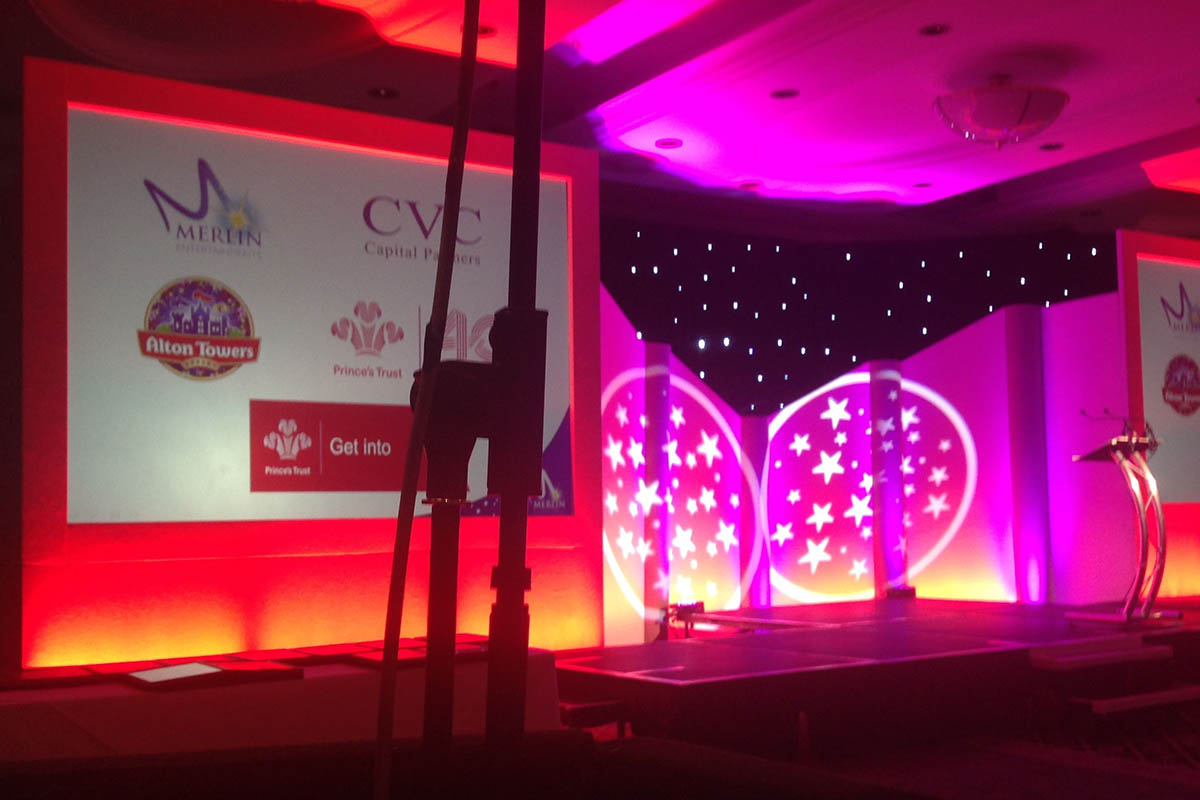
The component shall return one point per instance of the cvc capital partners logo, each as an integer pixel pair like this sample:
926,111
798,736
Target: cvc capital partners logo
396,223
217,224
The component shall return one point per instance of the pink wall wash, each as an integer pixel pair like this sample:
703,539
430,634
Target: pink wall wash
675,487
1093,543
967,371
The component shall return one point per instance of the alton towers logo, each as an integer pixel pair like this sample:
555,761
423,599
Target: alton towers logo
218,223
198,328
1181,385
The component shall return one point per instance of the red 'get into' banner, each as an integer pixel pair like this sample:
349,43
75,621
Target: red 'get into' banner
327,447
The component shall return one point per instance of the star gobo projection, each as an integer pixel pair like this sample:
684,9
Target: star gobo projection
679,530
829,460
839,473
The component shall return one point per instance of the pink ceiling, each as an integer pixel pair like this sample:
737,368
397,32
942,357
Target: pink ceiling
861,126
622,75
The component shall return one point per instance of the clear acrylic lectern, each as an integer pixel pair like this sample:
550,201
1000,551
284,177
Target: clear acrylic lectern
1130,452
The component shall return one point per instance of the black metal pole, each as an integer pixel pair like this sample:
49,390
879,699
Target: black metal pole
434,335
520,345
527,155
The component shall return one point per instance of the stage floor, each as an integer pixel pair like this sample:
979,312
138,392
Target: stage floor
846,669
813,674
840,635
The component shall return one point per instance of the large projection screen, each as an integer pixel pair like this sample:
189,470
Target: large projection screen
224,296
1159,284
244,316
1160,289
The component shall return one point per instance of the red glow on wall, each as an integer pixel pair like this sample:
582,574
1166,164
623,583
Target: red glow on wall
346,147
1181,578
97,593
91,610
1179,171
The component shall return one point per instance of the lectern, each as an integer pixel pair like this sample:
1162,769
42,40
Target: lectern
1130,452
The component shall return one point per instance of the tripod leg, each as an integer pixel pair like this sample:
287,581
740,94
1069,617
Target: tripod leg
508,639
442,624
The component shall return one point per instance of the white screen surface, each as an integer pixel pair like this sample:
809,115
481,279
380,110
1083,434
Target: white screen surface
322,246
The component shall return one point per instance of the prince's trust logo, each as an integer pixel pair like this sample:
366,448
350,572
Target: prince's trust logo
287,441
368,333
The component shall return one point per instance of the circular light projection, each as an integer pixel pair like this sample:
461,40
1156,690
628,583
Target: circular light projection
816,512
708,473
668,143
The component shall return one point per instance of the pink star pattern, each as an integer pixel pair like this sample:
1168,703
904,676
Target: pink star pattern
695,501
838,471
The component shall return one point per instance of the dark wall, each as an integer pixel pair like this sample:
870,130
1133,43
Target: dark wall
837,297
10,388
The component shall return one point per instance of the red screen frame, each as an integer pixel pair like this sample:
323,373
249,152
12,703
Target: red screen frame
112,592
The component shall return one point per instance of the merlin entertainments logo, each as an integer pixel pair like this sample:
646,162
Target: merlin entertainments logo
551,500
198,328
224,227
1187,318
1181,385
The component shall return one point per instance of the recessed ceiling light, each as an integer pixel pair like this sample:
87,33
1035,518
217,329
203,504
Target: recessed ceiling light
1050,147
669,143
785,94
922,185
382,92
935,29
